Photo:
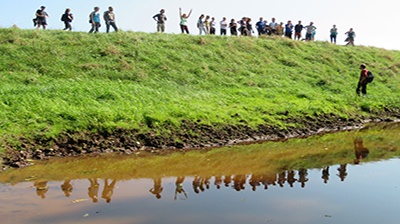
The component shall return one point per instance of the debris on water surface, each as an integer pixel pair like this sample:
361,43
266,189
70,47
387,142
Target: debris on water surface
79,200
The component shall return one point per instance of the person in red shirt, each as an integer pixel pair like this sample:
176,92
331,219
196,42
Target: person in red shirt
362,82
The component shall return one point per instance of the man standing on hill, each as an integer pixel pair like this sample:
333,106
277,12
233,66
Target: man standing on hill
362,82
160,18
297,30
289,29
310,30
109,18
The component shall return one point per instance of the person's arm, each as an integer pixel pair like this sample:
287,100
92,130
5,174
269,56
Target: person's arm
105,16
154,17
180,13
91,18
190,12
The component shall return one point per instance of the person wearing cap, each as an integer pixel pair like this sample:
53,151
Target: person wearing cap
160,18
41,16
362,82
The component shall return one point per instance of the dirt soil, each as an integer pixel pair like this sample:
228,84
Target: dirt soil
189,136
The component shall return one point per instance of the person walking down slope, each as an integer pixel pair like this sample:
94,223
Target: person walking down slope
160,18
109,18
94,19
363,81
183,23
67,18
310,30
350,37
41,16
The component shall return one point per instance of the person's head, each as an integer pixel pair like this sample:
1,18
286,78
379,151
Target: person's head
96,9
212,19
162,11
207,17
289,21
261,19
273,19
281,23
67,10
42,7
223,18
299,22
110,8
201,16
351,29
184,15
334,26
363,66
311,23
232,20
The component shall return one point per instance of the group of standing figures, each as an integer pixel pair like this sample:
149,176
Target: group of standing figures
205,24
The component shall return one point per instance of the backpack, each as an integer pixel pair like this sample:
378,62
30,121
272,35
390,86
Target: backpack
63,17
370,77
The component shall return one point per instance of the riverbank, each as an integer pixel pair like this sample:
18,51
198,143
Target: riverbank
66,94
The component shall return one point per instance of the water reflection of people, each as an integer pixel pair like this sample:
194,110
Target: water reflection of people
157,188
303,177
197,184
93,189
360,151
255,181
108,190
227,180
281,179
66,187
179,187
342,172
268,179
239,182
325,174
41,188
218,181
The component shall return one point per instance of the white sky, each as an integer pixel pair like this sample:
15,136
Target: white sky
375,22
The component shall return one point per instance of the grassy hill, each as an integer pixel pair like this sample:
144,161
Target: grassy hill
53,83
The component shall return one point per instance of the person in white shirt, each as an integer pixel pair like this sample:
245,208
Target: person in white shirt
224,26
272,26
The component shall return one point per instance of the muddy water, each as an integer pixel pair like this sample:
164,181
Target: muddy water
348,177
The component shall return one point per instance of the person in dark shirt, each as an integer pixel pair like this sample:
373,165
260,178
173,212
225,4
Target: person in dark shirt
362,82
260,25
41,16
160,18
67,18
233,27
297,31
289,29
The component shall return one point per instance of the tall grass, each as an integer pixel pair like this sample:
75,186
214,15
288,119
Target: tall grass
53,82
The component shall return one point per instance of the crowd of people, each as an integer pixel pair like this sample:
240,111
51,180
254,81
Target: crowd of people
205,24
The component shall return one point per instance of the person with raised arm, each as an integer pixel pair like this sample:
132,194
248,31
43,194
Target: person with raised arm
184,18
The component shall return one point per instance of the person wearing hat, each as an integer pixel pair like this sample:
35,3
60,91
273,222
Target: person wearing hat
160,18
41,16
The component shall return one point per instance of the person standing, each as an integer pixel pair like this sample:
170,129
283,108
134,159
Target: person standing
310,30
233,27
183,23
350,37
41,16
109,18
95,20
260,25
223,26
67,18
279,29
213,24
272,26
289,29
333,34
207,24
160,18
200,25
362,82
297,30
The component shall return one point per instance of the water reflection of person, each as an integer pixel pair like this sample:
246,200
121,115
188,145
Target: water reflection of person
93,189
268,179
303,177
227,180
255,181
66,187
325,174
108,190
360,151
218,182
41,188
197,184
179,187
342,172
290,177
239,182
157,188
281,179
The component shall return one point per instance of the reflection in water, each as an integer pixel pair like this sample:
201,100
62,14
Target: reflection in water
325,174
342,172
157,188
179,188
66,187
108,190
41,188
360,151
93,189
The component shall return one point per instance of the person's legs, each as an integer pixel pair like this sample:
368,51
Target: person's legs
364,89
114,25
108,26
97,26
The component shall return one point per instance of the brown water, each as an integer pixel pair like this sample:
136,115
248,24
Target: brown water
356,181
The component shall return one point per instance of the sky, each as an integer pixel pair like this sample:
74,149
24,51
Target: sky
374,22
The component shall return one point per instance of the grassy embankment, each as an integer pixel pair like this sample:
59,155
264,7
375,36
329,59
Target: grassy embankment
53,81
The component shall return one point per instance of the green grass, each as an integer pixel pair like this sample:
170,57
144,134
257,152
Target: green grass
53,82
